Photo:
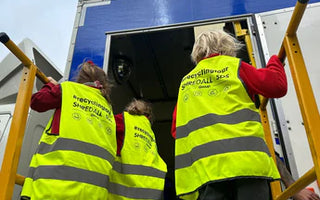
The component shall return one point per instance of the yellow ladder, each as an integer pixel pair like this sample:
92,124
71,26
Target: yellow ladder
8,173
290,49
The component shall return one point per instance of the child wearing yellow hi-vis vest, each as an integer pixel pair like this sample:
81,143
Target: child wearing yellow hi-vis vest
138,171
220,149
78,146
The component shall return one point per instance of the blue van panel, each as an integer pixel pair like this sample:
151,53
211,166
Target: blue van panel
131,14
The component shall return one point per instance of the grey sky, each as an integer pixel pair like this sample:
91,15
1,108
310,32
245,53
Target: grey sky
48,23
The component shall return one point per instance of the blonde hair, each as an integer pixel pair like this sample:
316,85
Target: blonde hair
216,41
139,107
89,72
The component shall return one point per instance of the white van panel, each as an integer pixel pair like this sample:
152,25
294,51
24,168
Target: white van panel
5,118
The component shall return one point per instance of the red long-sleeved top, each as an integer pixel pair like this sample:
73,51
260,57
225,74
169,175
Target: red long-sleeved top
270,82
49,97
120,132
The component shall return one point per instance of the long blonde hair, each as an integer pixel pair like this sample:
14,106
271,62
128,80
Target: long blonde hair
89,72
216,41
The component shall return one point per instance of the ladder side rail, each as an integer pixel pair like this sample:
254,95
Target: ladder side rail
275,185
15,138
291,30
307,103
290,48
20,179
8,175
297,15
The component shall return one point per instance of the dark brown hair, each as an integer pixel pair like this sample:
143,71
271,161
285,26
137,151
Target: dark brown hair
89,72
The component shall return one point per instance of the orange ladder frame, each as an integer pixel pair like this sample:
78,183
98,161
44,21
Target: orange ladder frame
8,173
290,49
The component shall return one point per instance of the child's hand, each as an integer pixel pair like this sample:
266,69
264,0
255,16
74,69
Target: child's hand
51,80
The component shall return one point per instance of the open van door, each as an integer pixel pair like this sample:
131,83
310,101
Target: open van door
150,63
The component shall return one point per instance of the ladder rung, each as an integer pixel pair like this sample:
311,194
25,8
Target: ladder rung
20,179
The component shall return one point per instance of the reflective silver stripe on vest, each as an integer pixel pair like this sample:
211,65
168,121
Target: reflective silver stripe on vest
135,193
138,170
75,145
68,173
219,147
211,119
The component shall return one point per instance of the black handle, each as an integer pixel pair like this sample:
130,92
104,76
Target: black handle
303,1
4,38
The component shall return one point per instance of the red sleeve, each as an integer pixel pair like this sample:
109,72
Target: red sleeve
173,126
55,127
270,82
120,132
49,97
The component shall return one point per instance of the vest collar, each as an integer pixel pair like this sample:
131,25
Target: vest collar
211,55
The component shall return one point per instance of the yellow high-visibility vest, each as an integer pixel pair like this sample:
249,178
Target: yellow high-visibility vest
139,172
219,134
76,163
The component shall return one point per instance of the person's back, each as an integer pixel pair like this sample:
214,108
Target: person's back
220,142
139,171
75,155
